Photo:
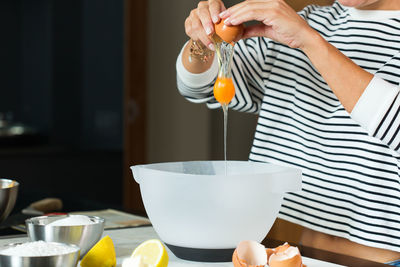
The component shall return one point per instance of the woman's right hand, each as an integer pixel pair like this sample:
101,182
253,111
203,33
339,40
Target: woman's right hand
200,23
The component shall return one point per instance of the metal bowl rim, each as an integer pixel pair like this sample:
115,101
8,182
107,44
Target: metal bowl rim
16,183
31,221
77,250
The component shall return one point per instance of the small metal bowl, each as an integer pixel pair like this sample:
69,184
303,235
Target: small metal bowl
84,236
8,196
64,260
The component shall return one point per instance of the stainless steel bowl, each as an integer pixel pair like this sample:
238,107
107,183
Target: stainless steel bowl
64,260
8,196
84,236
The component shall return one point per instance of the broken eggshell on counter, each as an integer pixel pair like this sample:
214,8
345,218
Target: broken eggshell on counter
286,257
253,254
249,253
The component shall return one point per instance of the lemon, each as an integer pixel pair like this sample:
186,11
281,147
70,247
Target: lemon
101,255
152,252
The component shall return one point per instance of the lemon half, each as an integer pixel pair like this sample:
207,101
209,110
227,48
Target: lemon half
152,252
101,255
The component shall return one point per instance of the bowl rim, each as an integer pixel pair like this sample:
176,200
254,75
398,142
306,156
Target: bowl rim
77,249
278,168
16,183
276,172
32,221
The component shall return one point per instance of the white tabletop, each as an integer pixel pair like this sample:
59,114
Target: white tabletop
126,240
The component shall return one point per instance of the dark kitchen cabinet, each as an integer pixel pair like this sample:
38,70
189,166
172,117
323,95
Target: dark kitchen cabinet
61,73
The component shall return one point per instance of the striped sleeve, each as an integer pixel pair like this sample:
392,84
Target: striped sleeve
247,72
378,109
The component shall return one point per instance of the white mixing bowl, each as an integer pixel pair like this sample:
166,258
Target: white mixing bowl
202,215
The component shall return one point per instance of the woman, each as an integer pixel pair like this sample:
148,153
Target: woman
325,84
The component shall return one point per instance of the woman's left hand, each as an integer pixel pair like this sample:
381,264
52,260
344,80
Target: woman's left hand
278,21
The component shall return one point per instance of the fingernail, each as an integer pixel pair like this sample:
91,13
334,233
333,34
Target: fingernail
227,20
215,18
223,13
211,46
208,30
232,21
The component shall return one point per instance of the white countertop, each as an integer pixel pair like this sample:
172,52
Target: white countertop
126,240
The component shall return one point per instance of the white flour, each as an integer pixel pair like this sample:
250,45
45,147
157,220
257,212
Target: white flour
72,220
38,248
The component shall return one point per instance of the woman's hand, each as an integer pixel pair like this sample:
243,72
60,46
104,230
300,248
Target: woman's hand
200,23
278,21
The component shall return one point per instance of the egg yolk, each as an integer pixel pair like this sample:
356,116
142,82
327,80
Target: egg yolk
224,90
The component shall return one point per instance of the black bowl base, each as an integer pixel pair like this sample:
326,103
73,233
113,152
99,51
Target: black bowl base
201,254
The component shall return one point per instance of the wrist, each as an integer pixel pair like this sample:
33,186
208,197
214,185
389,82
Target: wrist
312,41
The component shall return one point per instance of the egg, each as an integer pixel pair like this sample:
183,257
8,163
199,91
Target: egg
253,254
228,33
249,253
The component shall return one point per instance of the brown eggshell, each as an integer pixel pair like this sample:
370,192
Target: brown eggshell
249,254
236,261
290,257
228,33
282,248
269,252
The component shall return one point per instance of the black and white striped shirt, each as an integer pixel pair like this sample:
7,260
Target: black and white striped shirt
350,162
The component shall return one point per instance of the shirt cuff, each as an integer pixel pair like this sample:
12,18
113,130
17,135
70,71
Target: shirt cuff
196,80
374,103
